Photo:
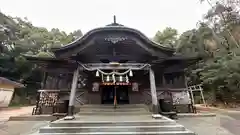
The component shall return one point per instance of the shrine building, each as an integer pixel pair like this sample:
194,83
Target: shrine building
113,65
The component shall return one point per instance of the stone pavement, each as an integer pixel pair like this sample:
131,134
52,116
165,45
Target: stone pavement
226,122
18,127
231,122
215,109
21,127
205,125
228,119
6,113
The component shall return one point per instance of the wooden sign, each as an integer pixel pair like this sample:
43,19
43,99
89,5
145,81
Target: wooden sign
181,98
95,86
134,86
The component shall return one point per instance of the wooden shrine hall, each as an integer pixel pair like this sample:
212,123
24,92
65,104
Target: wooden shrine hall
114,65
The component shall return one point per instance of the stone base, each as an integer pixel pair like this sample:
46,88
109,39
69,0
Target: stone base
70,110
155,109
33,118
70,113
69,117
157,116
182,115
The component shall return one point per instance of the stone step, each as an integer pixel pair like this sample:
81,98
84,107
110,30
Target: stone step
124,133
112,129
112,113
113,110
124,120
112,106
110,123
33,118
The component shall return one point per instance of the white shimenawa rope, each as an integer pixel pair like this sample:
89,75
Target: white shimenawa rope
114,72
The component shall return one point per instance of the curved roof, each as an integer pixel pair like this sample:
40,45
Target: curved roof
117,28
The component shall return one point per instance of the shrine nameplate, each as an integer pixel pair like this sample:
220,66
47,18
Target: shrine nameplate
134,86
95,87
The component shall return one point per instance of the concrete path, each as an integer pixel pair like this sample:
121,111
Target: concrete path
226,122
6,113
215,109
18,127
21,127
231,122
207,125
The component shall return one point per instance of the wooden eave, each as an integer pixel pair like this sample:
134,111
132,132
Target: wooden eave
45,59
48,61
169,89
80,42
176,63
185,58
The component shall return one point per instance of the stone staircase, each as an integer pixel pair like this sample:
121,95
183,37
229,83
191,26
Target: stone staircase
129,109
105,120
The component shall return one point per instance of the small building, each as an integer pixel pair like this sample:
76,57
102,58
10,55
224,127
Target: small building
114,65
6,90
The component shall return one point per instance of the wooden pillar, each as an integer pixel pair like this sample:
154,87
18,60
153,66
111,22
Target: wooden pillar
57,82
155,107
163,80
72,95
44,80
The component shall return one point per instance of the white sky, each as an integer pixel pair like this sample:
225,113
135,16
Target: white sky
148,16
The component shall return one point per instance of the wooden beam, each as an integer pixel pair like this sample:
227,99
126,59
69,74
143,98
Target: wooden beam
121,66
99,58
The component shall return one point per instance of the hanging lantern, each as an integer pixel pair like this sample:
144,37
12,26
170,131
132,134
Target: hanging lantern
130,73
127,81
108,79
97,73
120,78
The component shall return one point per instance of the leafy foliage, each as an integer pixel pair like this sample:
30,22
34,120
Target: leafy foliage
19,37
167,37
217,40
218,37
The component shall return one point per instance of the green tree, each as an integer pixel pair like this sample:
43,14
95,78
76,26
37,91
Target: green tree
167,37
20,37
217,36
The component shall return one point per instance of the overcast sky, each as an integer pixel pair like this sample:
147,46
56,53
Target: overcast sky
148,16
